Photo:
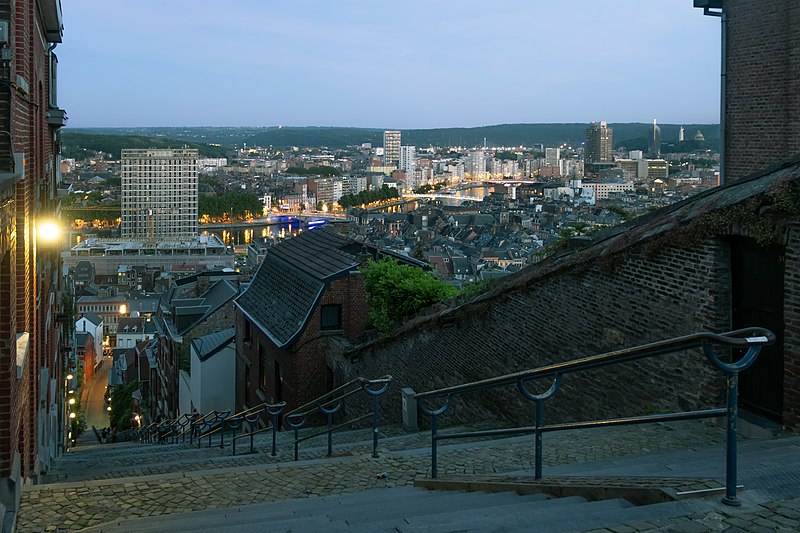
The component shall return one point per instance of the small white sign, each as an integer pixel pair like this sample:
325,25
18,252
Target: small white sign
755,340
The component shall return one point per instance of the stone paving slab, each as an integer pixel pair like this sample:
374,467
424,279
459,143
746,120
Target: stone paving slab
70,507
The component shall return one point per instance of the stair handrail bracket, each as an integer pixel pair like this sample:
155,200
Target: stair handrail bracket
331,403
751,339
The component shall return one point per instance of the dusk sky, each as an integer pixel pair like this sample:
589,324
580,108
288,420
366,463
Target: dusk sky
367,63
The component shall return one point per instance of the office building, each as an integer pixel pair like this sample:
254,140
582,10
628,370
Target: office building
654,142
599,143
159,194
552,157
391,148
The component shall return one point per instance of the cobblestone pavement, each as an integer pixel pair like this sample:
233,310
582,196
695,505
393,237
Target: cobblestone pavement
257,479
779,516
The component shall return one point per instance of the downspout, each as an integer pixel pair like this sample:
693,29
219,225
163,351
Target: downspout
722,73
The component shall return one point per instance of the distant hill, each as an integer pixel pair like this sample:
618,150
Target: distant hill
75,145
625,134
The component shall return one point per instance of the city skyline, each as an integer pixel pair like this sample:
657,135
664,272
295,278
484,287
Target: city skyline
360,64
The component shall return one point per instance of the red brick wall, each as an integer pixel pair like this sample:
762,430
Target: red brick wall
25,302
763,84
303,364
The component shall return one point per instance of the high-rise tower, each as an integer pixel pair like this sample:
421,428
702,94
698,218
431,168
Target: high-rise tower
391,148
654,142
599,143
159,194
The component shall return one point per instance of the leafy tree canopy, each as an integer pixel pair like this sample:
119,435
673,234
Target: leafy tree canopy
239,203
81,146
367,197
396,291
510,156
320,170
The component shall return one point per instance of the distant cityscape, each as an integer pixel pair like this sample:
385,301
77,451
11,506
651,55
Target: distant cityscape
472,213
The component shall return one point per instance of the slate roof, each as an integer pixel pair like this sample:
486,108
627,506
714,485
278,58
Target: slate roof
291,279
93,318
211,344
84,271
81,338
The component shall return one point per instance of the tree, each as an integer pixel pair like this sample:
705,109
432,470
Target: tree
396,291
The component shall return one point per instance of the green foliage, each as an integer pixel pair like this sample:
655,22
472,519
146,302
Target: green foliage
509,156
396,291
624,214
471,290
320,170
120,416
336,137
241,203
110,212
367,197
81,146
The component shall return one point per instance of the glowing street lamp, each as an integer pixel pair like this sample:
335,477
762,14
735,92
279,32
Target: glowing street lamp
72,415
48,231
71,401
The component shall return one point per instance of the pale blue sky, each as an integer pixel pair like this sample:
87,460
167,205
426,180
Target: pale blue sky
370,63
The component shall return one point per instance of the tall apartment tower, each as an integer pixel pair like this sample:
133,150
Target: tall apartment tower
599,143
159,194
654,142
391,148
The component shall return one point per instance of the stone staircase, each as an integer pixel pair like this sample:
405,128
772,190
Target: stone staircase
179,487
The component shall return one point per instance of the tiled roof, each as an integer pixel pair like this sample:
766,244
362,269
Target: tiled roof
291,280
93,318
209,345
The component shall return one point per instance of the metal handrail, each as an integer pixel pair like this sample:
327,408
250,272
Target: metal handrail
751,338
330,403
311,406
686,342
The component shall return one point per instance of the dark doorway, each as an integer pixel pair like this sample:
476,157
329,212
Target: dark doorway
757,300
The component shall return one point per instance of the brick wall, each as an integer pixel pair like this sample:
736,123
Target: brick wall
27,275
763,84
646,295
303,364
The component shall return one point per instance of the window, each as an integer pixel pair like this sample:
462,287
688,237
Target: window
248,334
330,317
262,368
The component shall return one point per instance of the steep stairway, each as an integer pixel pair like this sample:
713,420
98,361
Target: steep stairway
179,487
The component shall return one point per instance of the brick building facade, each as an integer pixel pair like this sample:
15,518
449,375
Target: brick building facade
762,93
306,298
31,365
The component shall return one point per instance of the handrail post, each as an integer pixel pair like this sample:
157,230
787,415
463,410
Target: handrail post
375,427
296,443
274,417
433,446
537,474
330,433
731,446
